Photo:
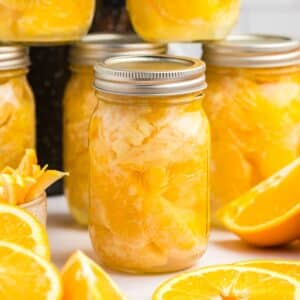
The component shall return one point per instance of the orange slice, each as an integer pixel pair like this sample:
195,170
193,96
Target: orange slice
290,268
85,280
25,275
229,282
268,214
19,227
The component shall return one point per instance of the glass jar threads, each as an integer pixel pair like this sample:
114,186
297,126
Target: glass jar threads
45,21
17,113
253,104
149,164
80,101
180,20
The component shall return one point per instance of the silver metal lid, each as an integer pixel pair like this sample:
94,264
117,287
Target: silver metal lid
13,57
95,47
253,51
155,75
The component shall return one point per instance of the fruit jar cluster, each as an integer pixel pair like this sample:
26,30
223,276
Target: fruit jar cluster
253,104
79,103
17,112
149,164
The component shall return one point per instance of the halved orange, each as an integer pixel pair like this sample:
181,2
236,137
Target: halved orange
19,227
229,282
287,267
83,279
268,214
25,275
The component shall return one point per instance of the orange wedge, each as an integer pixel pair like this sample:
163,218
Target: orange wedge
19,227
290,268
229,282
85,280
25,275
268,214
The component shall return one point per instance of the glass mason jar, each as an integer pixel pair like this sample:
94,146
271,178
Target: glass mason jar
45,21
253,104
180,20
80,101
17,112
149,164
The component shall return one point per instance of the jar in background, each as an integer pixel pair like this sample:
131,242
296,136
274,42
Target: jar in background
180,20
17,112
253,104
45,21
149,164
80,101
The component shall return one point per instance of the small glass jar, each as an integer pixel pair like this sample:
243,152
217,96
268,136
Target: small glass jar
149,164
253,104
80,101
179,20
45,21
17,112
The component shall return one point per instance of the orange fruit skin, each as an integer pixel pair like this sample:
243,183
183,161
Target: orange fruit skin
21,228
25,275
287,267
269,214
283,232
229,282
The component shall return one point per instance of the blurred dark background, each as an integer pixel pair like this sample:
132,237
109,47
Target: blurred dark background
48,77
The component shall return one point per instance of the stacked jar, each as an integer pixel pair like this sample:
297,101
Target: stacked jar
79,103
253,104
24,21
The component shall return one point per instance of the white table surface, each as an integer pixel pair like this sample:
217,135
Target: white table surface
66,237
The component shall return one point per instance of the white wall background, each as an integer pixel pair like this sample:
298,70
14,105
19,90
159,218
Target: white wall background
281,17
270,16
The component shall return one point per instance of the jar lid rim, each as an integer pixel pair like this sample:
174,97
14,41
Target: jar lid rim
97,46
253,51
13,57
151,75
